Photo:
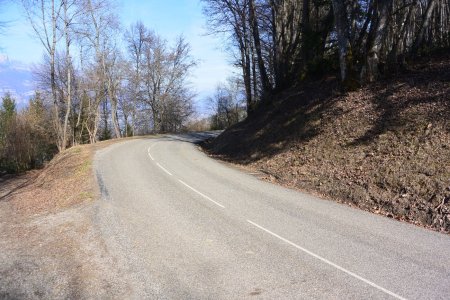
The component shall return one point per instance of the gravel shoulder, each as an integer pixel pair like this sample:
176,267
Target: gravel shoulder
50,245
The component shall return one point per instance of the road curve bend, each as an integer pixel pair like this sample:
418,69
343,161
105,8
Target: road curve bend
184,226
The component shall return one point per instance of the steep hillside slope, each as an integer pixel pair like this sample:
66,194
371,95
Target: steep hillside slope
384,148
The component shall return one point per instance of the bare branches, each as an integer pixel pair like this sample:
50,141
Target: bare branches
290,40
158,77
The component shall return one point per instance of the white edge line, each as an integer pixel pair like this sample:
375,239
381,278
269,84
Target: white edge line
328,262
204,196
148,151
162,168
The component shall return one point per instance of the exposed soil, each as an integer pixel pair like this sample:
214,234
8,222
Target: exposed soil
49,246
384,148
65,182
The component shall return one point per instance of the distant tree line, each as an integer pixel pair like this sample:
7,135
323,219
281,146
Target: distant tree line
92,88
279,43
95,89
227,105
26,139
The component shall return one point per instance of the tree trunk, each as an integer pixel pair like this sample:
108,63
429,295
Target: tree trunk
254,74
52,52
247,79
306,32
424,26
69,78
243,40
96,123
377,35
342,30
113,100
267,89
276,42
399,39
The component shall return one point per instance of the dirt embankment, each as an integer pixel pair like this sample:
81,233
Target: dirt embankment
384,148
66,181
49,246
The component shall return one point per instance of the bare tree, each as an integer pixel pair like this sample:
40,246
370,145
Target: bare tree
227,104
231,16
135,39
266,85
377,35
159,78
289,30
99,27
424,24
114,76
71,11
43,16
342,32
292,40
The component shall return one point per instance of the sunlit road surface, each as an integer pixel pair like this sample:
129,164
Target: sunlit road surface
185,226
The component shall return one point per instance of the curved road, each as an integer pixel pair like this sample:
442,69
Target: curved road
184,226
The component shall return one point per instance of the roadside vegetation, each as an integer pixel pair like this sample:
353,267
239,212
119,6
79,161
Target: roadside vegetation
90,89
346,99
51,247
384,148
65,182
26,140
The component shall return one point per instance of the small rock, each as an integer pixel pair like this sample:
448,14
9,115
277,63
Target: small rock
370,154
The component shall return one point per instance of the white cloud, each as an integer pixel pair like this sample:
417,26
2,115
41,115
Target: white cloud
21,98
3,58
15,78
19,66
29,94
28,83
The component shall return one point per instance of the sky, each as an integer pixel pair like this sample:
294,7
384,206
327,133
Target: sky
19,49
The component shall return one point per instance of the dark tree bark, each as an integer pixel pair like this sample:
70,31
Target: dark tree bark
232,16
377,35
266,86
424,25
343,36
306,32
400,38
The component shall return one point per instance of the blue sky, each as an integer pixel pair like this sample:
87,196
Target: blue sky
169,18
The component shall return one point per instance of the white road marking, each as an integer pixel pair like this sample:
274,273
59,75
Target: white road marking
328,262
204,196
164,169
148,151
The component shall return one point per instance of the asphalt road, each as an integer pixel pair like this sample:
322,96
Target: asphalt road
185,226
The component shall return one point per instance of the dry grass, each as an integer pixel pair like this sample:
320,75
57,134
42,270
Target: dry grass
66,181
51,246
